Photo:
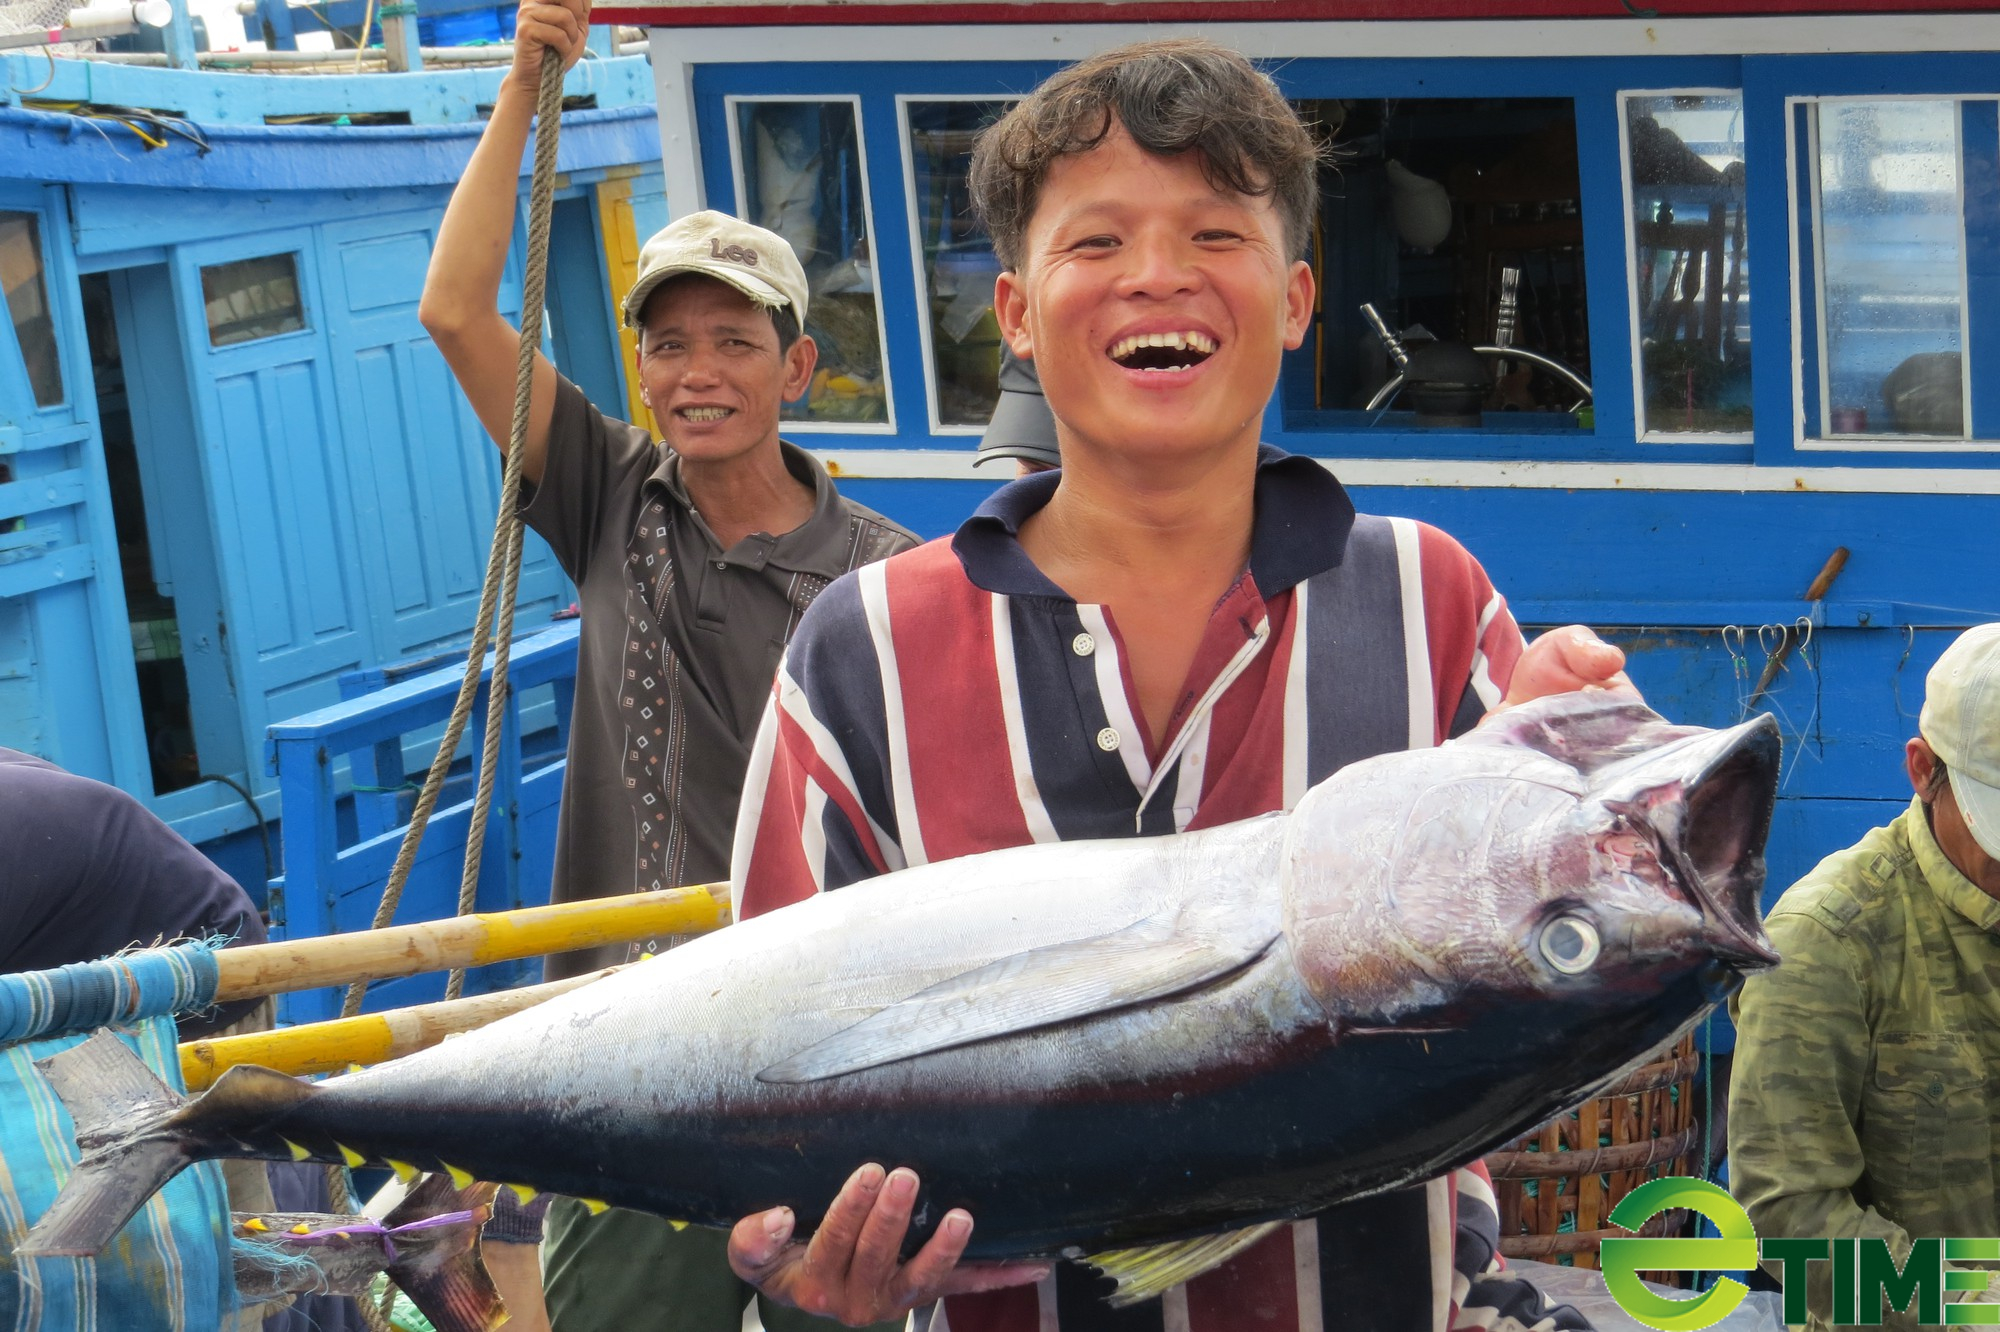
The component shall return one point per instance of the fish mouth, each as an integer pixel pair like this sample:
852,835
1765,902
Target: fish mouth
1709,799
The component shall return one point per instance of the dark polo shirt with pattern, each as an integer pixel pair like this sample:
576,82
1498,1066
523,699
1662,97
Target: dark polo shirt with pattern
679,644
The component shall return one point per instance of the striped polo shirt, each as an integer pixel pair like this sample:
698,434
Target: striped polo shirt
952,700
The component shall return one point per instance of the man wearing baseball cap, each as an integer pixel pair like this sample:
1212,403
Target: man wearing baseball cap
693,559
1867,1078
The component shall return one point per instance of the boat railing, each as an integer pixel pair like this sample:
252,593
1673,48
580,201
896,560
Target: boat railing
332,62
341,836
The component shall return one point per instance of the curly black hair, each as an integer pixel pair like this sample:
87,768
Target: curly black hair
1172,97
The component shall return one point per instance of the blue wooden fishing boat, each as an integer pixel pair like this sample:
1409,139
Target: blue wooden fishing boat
240,487
236,480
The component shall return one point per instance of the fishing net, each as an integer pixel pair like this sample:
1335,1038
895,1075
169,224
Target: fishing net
17,16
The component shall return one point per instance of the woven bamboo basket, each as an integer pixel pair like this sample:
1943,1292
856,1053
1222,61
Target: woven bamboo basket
1556,1186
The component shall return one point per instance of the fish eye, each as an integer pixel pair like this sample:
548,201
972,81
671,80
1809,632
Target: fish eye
1570,944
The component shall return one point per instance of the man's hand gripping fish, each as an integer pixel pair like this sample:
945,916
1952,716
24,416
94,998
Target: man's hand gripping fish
1142,1051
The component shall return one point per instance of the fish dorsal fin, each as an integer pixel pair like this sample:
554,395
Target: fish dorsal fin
1144,1274
1041,987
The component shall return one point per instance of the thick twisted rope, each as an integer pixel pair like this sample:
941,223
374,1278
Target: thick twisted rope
503,564
534,290
503,577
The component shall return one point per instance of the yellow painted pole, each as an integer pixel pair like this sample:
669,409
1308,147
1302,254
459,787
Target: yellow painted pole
329,1047
466,941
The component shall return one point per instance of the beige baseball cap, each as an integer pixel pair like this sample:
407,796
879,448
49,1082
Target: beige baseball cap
756,262
1961,721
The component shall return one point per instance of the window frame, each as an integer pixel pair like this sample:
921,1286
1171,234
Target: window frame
1640,432
1774,88
916,247
305,329
1591,87
39,225
1802,160
732,132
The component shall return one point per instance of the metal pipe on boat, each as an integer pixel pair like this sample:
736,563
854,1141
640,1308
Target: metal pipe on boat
330,1047
85,25
466,941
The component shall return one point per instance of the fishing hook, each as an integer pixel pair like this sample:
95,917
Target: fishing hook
1896,676
1736,643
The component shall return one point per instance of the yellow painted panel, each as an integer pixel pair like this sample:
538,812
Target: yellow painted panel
621,264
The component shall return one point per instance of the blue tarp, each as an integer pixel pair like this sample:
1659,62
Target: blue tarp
168,1271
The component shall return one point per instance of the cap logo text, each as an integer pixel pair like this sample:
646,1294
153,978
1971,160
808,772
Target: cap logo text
734,253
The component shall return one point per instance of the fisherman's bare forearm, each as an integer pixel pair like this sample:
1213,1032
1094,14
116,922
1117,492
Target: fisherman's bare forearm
460,305
462,288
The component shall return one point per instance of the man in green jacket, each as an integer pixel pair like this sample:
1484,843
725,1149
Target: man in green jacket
1868,1064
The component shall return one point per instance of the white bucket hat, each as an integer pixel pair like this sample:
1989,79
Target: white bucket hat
758,263
1961,722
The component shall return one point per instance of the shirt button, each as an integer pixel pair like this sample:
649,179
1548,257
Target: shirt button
721,566
1083,645
1107,739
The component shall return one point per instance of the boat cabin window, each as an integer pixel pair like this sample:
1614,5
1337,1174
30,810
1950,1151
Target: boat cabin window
1689,263
800,173
252,298
1885,307
21,274
956,267
1457,220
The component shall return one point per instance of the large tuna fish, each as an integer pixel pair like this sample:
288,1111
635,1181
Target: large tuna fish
1092,1046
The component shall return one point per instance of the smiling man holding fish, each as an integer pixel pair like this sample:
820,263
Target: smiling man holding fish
1181,628
1155,1050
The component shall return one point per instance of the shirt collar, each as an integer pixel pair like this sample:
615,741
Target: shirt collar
1303,516
821,545
1946,879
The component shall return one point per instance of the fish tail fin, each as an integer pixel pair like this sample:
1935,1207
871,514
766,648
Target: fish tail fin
446,1278
136,1133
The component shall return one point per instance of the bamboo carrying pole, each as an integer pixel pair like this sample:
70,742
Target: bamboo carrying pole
329,1047
466,941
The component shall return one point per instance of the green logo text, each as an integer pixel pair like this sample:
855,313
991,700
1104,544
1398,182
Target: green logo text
1866,1279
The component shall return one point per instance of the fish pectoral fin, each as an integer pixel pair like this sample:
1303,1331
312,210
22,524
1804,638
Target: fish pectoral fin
1146,1273
1041,987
